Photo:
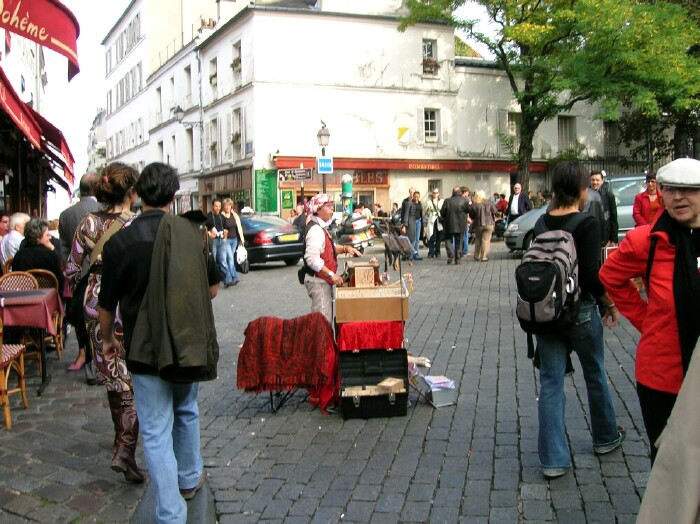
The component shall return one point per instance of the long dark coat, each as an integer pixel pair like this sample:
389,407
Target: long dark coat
454,213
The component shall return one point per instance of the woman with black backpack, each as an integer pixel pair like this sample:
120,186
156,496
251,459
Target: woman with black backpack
583,333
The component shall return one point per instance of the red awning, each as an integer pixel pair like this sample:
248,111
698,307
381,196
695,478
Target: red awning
56,141
48,23
18,111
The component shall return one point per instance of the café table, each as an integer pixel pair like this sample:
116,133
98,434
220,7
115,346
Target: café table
32,308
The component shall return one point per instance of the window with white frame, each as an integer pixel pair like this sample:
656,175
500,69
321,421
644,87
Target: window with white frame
430,63
236,58
188,87
431,125
567,133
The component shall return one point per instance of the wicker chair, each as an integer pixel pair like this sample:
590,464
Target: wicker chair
7,267
46,280
12,359
23,281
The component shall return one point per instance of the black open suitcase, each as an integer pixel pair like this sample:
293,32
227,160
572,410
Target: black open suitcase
368,367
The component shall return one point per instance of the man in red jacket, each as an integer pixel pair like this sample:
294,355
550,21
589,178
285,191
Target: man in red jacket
666,255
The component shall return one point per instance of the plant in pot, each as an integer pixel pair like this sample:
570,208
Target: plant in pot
212,147
212,79
236,64
430,65
236,138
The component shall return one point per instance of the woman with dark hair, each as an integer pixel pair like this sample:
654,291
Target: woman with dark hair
648,204
570,183
115,191
37,251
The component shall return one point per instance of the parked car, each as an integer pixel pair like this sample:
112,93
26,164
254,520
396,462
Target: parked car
272,239
519,234
624,188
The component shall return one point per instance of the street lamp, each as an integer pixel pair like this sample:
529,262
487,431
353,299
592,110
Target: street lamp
179,115
323,137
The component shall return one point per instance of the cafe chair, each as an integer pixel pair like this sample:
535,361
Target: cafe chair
46,280
18,281
12,359
23,281
7,267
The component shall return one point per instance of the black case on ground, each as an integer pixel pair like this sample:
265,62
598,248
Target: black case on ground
369,367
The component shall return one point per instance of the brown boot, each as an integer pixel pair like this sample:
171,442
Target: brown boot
124,460
114,402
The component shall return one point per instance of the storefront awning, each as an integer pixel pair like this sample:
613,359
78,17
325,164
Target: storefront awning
48,23
55,140
18,111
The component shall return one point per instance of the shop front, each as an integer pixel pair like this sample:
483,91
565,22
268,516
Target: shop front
236,184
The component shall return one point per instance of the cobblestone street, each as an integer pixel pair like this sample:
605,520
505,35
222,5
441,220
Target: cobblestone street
473,462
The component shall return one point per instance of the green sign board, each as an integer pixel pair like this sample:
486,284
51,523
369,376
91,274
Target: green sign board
265,191
287,199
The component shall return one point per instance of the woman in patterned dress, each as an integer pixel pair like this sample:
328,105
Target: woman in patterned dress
115,191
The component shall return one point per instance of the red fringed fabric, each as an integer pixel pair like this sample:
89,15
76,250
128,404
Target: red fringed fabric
370,335
281,354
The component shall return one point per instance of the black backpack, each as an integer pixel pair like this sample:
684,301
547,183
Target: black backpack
547,280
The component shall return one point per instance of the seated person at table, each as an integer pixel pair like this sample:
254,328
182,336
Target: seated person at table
37,250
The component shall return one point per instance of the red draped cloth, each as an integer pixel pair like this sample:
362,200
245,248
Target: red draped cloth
370,335
284,354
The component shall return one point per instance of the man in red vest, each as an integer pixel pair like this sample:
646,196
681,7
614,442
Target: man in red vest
321,256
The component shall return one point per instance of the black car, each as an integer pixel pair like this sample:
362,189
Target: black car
271,239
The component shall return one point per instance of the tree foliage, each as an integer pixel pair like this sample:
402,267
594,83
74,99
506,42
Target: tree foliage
556,53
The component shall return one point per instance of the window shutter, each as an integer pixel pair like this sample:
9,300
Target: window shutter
420,126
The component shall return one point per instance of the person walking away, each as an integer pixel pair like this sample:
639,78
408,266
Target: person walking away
11,242
454,215
161,275
434,227
321,256
412,222
518,204
610,225
68,222
300,220
114,190
648,204
665,255
465,236
233,234
570,183
482,213
215,226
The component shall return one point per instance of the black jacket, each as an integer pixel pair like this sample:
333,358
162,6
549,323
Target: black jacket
454,214
524,204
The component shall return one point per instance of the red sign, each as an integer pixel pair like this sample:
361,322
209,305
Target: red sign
47,22
17,111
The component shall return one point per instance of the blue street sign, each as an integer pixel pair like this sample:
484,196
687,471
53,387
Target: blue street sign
324,165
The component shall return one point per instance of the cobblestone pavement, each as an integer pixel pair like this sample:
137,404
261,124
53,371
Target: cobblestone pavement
472,462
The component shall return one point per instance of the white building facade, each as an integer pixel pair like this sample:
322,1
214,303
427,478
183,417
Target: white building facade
253,91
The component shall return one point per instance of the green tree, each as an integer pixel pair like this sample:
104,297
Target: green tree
556,53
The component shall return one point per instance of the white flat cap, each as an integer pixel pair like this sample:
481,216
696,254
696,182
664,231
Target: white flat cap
682,172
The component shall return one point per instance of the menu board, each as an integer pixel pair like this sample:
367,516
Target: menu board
265,191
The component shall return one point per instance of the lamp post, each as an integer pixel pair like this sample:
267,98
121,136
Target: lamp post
323,137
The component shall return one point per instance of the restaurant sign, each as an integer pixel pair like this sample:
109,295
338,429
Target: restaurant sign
46,22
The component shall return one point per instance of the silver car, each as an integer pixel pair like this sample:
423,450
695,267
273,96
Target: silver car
624,188
519,233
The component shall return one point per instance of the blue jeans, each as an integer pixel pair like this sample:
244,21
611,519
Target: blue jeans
586,339
169,420
217,245
465,241
227,260
416,239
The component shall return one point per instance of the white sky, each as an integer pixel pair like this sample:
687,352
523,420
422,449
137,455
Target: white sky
72,106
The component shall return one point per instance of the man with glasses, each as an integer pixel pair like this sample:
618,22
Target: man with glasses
665,253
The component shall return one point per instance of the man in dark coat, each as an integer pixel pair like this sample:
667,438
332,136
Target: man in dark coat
454,214
609,224
412,222
68,222
518,203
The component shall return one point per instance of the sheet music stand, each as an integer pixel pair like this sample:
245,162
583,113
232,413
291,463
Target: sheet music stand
399,245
